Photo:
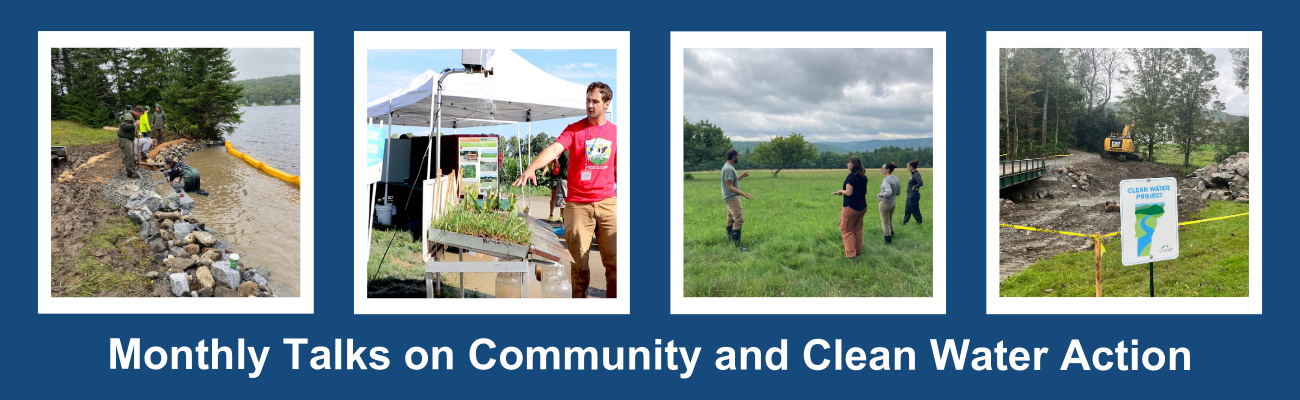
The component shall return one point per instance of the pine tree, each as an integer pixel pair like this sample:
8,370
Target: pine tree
201,97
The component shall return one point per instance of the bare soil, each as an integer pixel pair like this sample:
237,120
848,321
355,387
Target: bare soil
1071,208
77,207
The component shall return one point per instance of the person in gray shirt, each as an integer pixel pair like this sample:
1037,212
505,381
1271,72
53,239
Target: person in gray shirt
913,207
889,188
731,195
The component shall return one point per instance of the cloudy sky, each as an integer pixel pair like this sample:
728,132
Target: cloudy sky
262,63
1235,100
828,95
389,70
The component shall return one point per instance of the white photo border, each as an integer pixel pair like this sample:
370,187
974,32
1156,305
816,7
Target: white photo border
618,41
47,304
1253,304
810,305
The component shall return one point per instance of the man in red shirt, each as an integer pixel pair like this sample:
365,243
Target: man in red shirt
592,208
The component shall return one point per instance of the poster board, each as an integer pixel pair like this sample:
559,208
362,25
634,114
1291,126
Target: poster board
1148,220
480,163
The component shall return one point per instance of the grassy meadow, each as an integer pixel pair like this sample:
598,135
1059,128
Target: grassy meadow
68,133
792,232
1213,261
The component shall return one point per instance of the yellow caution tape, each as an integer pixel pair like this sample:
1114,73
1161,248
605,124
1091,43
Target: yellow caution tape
1098,237
262,166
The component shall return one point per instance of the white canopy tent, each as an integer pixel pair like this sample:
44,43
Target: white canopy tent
507,89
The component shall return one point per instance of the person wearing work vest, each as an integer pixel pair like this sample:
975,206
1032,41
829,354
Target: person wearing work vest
143,122
559,185
591,206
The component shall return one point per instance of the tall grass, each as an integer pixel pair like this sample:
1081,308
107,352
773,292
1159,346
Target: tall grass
792,230
492,224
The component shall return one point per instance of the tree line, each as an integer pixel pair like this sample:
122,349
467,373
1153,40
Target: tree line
706,146
93,87
1052,99
277,89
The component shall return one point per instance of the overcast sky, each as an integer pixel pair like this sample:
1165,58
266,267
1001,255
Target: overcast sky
1236,100
828,95
262,63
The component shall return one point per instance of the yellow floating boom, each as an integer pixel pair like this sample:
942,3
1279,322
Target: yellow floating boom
262,166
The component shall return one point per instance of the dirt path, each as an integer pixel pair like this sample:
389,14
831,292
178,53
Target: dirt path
1069,207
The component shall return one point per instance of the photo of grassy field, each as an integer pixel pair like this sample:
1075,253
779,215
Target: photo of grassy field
792,231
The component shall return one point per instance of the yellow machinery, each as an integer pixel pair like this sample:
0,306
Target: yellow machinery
1119,146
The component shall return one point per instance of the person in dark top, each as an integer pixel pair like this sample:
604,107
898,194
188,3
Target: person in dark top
855,207
183,177
559,185
913,207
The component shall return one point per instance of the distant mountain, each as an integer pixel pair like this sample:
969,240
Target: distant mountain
869,145
272,90
745,147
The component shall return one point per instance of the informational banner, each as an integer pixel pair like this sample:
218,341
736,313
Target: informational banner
1148,220
479,163
375,140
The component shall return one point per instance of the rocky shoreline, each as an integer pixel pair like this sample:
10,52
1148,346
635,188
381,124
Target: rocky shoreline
191,260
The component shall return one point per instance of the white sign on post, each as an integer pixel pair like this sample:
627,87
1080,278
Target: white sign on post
1148,220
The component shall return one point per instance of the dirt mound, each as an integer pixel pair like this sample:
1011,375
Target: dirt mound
76,205
1072,197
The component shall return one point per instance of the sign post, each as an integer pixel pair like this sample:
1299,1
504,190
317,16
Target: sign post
1148,222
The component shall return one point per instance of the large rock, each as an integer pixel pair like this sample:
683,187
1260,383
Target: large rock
211,254
147,198
248,274
182,229
204,276
264,272
177,251
1221,179
158,245
192,249
139,214
222,291
203,238
206,292
247,289
225,276
185,202
180,263
258,279
180,284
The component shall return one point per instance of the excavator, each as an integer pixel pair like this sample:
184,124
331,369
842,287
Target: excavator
1120,146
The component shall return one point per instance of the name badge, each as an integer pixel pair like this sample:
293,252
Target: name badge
586,175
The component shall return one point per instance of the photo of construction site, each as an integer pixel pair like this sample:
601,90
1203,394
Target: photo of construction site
174,172
491,173
1124,172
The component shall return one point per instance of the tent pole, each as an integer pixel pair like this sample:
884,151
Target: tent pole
388,133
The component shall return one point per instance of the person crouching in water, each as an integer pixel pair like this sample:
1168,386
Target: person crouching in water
888,189
731,195
855,207
913,208
183,177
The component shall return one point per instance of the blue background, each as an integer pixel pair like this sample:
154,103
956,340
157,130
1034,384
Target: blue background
64,355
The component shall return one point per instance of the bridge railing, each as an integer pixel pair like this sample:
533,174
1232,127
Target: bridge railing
1017,171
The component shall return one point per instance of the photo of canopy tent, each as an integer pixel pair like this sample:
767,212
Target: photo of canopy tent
492,87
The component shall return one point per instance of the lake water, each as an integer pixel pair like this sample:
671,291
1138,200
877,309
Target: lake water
254,212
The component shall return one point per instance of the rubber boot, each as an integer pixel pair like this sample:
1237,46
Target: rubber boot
889,239
730,235
735,235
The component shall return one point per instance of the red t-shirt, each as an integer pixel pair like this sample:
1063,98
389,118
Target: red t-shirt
593,160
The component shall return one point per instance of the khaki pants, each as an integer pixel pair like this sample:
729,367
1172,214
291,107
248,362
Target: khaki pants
735,213
887,217
128,154
581,222
851,230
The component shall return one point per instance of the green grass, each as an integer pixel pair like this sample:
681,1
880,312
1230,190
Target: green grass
68,133
402,274
91,273
792,232
1170,156
1213,261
